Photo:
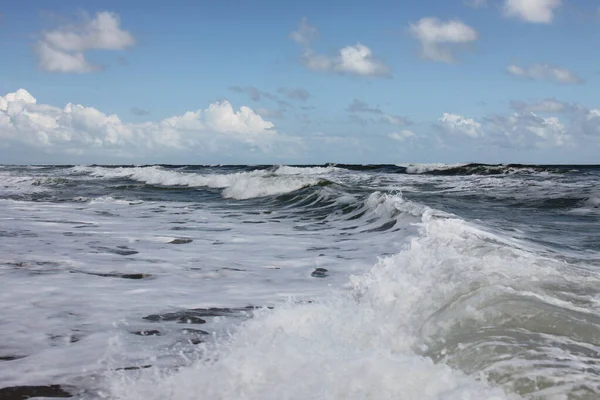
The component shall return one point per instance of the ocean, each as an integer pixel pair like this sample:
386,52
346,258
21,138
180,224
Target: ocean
410,281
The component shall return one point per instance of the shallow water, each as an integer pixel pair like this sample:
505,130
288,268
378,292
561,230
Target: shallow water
336,281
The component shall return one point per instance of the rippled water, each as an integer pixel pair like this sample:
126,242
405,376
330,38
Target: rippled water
269,282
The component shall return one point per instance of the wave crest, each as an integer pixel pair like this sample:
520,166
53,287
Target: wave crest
414,326
240,185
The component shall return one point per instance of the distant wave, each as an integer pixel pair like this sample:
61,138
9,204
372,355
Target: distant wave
466,169
401,168
239,185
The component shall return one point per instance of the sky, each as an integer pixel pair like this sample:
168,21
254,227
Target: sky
311,82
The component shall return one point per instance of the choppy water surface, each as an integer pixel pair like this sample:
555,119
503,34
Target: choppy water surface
271,282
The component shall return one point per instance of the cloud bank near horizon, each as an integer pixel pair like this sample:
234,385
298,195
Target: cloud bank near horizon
219,129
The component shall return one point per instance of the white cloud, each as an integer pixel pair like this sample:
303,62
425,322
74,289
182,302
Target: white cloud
352,60
437,37
518,130
462,125
402,135
222,133
550,129
589,121
536,11
527,130
76,128
102,33
221,118
53,60
545,72
358,60
21,96
582,120
62,50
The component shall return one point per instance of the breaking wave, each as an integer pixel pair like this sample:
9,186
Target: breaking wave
240,185
469,169
458,313
501,302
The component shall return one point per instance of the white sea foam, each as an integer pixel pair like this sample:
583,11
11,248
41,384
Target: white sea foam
289,170
241,185
423,168
343,347
251,187
389,205
109,199
11,185
451,310
589,206
376,341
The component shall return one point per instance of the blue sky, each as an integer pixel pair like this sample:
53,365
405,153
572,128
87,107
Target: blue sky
300,82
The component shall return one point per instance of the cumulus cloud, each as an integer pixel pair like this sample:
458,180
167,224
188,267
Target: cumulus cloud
525,129
360,107
589,122
62,50
76,128
582,121
220,117
355,60
528,130
359,60
21,96
545,72
536,11
461,125
103,33
53,60
439,38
